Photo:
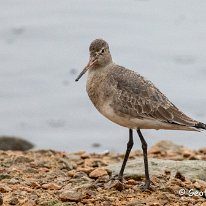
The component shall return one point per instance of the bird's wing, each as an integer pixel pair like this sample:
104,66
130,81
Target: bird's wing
137,97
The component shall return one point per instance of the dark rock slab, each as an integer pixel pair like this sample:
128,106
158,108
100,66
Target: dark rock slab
14,143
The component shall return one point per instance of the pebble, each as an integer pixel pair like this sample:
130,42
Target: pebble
44,181
114,184
203,150
4,188
180,176
86,170
104,178
74,157
14,201
99,172
35,185
79,175
85,155
188,153
71,173
13,181
136,203
71,195
94,163
22,159
131,182
200,184
51,186
4,176
30,170
165,146
23,189
163,199
154,204
1,199
30,203
66,164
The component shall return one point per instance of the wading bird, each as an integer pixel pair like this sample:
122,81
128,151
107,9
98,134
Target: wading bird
128,99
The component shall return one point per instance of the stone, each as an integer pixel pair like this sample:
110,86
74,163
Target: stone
34,185
71,173
74,157
179,176
4,188
22,159
165,146
188,153
131,182
99,172
14,201
4,176
30,203
202,150
51,186
192,169
117,185
169,150
86,170
154,204
70,195
103,179
79,175
94,163
1,199
66,164
14,143
201,185
85,155
136,203
13,181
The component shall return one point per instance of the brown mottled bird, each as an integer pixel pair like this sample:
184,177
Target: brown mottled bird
128,99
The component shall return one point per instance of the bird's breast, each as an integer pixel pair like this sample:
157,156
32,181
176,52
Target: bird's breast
101,95
95,88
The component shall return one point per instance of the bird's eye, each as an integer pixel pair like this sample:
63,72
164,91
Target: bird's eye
102,50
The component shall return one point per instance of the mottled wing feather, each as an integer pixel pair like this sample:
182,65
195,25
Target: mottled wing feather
139,98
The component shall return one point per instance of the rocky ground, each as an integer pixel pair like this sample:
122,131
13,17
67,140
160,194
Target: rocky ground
52,178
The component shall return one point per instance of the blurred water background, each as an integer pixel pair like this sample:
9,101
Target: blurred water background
44,45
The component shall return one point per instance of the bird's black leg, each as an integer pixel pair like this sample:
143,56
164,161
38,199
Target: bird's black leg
129,148
144,148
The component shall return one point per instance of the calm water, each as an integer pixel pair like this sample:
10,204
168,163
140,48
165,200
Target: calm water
44,45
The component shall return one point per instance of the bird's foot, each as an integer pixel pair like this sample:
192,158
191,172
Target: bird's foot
116,177
116,182
145,186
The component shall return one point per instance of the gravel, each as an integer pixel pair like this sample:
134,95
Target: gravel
52,178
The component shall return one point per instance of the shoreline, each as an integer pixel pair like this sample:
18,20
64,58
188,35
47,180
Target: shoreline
54,178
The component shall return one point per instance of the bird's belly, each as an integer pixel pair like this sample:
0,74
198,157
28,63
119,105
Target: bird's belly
129,122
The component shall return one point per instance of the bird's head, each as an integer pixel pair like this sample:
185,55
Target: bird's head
99,56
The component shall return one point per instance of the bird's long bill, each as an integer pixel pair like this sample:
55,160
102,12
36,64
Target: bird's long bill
81,74
91,62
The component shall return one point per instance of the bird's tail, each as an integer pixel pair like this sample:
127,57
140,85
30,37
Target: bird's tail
200,125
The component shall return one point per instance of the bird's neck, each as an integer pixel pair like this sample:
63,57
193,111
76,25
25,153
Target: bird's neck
95,80
99,71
